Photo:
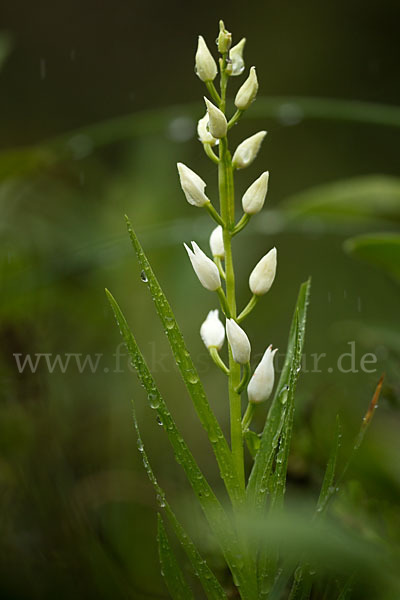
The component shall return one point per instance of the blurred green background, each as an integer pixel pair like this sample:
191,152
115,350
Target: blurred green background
99,101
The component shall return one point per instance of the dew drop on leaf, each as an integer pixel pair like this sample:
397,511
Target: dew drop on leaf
143,277
154,400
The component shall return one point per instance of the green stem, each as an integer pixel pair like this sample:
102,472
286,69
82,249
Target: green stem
247,310
224,303
218,360
235,118
213,92
218,262
213,213
248,416
245,378
210,153
241,224
226,192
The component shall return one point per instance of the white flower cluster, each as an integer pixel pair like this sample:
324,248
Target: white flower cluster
212,130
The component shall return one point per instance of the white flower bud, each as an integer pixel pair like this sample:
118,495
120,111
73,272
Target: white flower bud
205,269
239,342
205,136
205,66
224,40
217,124
248,91
212,331
254,197
263,274
217,242
262,381
246,152
192,185
236,58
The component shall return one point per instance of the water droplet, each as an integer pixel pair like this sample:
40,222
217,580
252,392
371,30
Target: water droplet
143,277
160,501
159,421
140,445
154,400
169,322
212,437
192,377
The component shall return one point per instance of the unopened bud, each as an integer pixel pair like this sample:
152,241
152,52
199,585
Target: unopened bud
217,122
205,65
262,382
239,342
248,91
236,58
254,197
217,242
205,269
205,136
263,274
212,331
246,152
224,39
192,185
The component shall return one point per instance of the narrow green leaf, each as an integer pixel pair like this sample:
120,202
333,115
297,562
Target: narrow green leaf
330,472
381,250
346,590
190,375
207,578
279,477
174,579
257,486
217,518
302,582
278,429
268,562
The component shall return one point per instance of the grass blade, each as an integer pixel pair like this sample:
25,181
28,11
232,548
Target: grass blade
257,488
302,582
207,578
330,472
174,579
190,375
216,516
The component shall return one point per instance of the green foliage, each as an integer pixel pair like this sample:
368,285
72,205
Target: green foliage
174,578
382,250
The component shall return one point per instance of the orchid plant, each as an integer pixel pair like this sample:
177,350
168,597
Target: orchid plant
256,570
